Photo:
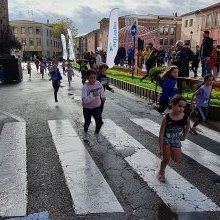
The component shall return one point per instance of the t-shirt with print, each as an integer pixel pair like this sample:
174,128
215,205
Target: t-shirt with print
174,130
203,96
88,99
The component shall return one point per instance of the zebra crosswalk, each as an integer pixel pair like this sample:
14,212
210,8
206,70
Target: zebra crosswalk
89,190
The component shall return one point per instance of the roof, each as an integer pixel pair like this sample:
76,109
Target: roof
203,9
28,22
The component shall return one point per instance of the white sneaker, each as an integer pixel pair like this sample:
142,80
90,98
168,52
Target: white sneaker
85,136
98,138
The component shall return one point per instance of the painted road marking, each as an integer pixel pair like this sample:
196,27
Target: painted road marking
13,173
197,153
177,193
214,135
89,190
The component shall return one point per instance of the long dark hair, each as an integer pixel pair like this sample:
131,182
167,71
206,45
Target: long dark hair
167,73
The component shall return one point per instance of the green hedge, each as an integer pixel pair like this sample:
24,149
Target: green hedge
151,80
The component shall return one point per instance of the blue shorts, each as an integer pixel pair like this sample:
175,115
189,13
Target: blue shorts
172,142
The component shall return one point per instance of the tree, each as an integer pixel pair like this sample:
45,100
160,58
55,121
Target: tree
8,42
61,26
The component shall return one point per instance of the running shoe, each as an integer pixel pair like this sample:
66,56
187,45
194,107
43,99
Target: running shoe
161,176
98,138
193,131
85,136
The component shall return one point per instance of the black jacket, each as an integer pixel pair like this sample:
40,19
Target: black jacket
103,79
206,47
182,59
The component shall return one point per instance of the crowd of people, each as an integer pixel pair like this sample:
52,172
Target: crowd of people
176,123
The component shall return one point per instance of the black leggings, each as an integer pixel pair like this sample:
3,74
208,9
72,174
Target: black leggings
97,115
56,89
203,114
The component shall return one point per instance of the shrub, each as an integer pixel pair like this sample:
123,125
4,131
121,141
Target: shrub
154,74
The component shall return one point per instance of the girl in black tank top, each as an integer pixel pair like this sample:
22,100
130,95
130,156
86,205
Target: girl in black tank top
173,130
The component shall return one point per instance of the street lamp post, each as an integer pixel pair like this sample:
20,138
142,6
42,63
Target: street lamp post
24,44
191,33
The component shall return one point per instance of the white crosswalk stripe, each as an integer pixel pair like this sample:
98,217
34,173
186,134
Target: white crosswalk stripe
214,135
197,153
13,174
177,193
90,191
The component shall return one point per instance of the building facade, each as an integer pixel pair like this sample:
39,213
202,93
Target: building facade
92,41
36,39
4,20
167,27
195,22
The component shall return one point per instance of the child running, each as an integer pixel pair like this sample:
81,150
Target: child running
103,79
202,95
55,77
70,73
174,128
29,68
92,94
169,88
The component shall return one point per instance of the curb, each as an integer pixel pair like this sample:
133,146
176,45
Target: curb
155,96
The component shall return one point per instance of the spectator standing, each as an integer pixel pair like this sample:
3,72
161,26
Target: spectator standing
181,59
130,54
195,63
121,55
205,53
160,57
98,58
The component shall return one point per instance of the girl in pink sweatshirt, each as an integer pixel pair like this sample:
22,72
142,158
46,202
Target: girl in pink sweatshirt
92,94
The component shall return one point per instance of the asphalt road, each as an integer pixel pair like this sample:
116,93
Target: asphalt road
48,185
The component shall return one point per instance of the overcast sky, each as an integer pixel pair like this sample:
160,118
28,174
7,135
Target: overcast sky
87,13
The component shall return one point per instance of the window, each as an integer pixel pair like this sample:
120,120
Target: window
161,41
172,30
23,41
37,30
218,19
165,31
47,32
31,42
48,42
38,42
15,30
30,30
23,31
186,23
161,30
191,22
51,43
208,21
171,41
54,44
166,41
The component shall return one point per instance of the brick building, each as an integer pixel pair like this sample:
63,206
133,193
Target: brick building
168,27
195,22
